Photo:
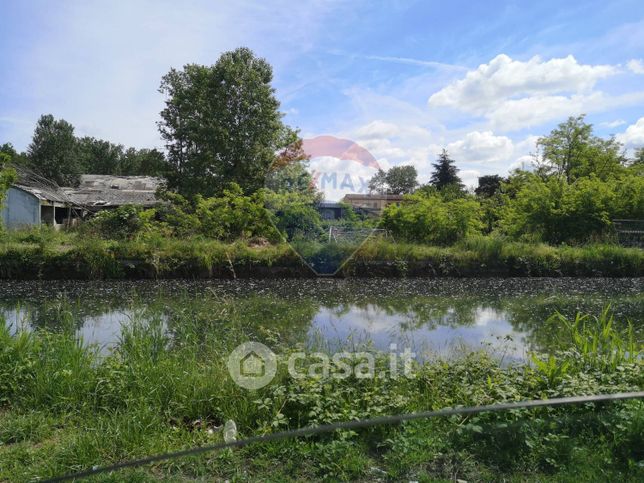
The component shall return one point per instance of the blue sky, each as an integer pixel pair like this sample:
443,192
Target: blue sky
402,78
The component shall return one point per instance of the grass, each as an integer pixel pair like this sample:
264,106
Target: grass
165,386
47,254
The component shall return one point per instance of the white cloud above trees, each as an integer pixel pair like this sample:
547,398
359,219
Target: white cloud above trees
633,136
483,147
513,95
504,79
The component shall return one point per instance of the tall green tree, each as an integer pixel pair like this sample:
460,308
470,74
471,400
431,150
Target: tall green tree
54,151
571,150
488,186
445,172
402,180
398,180
222,124
99,157
143,162
378,182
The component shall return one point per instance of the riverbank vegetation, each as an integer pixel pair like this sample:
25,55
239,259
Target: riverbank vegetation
66,406
236,193
48,254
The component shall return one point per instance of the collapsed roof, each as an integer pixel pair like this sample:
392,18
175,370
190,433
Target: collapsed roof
97,190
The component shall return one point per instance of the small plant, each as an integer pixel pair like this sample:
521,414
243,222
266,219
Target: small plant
552,368
597,340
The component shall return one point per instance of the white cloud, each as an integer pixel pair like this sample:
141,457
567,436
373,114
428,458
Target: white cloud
513,95
636,66
613,124
504,78
377,129
99,66
476,152
482,147
523,162
517,114
634,134
470,177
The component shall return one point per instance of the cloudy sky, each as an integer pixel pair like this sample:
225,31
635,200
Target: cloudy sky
402,78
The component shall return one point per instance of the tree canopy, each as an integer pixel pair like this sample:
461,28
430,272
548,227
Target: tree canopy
57,154
222,124
54,152
571,150
398,180
445,172
489,185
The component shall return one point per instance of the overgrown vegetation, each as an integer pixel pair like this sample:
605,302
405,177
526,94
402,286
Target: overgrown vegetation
222,179
7,177
66,406
142,252
581,183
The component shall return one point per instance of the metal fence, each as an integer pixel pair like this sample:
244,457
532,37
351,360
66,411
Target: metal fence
630,233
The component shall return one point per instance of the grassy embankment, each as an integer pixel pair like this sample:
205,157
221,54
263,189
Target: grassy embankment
49,255
66,407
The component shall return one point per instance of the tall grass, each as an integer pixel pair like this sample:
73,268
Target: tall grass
46,253
166,386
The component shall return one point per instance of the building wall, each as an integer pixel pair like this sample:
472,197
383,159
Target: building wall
370,202
20,209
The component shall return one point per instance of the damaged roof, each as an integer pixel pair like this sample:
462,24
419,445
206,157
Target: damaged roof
106,190
40,187
44,193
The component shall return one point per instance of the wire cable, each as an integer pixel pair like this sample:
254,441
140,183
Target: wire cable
327,428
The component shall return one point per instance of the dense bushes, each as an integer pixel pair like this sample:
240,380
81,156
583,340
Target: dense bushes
554,210
429,218
232,216
529,207
123,222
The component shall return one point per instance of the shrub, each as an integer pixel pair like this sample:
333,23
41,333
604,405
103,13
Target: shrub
428,218
557,211
122,223
231,216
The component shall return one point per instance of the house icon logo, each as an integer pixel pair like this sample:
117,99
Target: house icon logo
252,365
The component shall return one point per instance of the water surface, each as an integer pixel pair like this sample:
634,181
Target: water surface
433,317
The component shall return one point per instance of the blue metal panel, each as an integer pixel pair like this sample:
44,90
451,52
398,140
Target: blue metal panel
20,209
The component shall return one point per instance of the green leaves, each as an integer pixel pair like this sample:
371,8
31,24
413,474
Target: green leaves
54,151
557,211
572,151
430,219
221,124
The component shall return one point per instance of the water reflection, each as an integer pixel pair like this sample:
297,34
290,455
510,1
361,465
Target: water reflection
440,335
432,317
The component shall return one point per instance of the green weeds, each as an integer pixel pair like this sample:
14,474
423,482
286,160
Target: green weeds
49,254
165,386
